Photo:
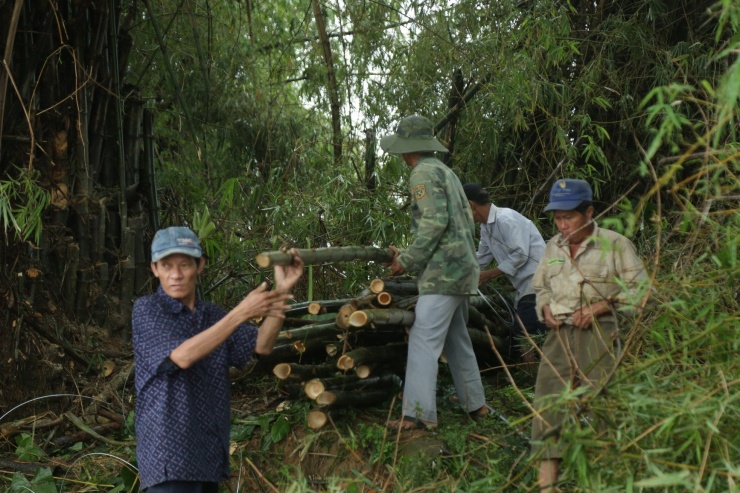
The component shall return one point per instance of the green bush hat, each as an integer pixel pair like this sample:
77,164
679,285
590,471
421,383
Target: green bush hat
567,194
413,134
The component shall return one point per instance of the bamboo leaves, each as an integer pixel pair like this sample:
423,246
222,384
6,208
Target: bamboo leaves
22,203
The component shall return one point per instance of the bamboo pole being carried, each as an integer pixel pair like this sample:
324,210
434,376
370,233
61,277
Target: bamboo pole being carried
387,316
316,256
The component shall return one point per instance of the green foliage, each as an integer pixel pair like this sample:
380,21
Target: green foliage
42,482
26,448
22,205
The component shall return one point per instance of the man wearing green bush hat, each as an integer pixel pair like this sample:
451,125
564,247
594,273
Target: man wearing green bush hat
443,257
586,278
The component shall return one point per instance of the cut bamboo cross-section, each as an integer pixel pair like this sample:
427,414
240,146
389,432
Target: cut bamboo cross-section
316,256
384,299
315,308
389,316
317,419
342,320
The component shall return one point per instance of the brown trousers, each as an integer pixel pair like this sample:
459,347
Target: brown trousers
572,358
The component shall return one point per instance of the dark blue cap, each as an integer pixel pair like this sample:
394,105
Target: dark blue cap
568,193
175,239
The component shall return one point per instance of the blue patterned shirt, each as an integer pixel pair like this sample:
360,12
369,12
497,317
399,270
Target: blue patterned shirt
183,416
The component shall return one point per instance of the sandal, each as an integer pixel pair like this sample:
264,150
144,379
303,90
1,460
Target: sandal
480,417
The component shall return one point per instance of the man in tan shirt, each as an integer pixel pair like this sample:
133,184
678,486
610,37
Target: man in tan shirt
586,277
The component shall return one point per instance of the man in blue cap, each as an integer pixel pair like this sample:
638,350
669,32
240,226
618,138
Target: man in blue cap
443,257
586,277
183,348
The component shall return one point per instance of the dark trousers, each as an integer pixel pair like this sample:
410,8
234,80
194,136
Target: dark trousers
527,311
183,487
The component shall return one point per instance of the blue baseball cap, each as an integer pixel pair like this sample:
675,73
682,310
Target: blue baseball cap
175,239
568,193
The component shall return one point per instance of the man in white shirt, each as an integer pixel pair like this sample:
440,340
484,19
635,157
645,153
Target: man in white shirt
516,245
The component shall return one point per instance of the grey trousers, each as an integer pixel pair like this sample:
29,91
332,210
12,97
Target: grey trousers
440,325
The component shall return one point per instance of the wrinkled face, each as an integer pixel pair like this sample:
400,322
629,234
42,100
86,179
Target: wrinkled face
178,275
573,224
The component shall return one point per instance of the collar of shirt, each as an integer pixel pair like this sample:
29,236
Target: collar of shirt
171,304
492,214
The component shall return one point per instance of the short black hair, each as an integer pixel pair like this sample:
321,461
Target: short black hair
474,192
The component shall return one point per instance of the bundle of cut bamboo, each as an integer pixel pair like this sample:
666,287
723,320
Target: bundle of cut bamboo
352,352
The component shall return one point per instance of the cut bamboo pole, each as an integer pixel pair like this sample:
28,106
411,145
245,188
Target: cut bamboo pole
363,355
300,309
389,316
284,371
316,386
373,368
309,332
316,256
404,286
354,397
478,320
480,340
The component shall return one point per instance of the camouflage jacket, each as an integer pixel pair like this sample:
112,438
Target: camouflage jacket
443,251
